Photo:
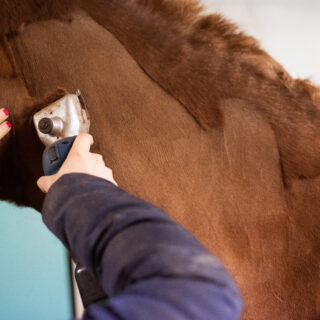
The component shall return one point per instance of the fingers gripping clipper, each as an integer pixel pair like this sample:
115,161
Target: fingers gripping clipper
57,126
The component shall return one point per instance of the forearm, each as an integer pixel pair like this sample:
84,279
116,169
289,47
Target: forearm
135,249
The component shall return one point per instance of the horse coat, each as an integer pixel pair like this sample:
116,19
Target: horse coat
191,115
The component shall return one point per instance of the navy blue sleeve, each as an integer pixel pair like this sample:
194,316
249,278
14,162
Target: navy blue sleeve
150,266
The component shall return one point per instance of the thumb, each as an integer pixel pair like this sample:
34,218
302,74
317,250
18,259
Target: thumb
82,143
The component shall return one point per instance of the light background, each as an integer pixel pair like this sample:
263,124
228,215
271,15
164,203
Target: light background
289,30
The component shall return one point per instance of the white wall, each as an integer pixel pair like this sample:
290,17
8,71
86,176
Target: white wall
289,30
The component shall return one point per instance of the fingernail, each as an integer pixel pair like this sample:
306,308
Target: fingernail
8,124
6,112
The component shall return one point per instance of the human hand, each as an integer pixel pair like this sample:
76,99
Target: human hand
5,126
79,160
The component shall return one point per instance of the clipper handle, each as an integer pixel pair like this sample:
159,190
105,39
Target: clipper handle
52,160
55,155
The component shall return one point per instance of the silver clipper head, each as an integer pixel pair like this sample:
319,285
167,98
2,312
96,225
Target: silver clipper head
66,117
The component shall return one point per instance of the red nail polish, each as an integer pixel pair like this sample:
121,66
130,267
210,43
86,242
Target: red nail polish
8,124
6,112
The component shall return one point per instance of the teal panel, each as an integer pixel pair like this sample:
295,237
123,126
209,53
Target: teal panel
34,270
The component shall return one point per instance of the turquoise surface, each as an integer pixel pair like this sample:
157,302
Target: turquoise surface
34,270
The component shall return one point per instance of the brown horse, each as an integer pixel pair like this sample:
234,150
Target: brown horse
193,116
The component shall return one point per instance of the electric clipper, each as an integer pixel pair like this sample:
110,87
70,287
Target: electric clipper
57,126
